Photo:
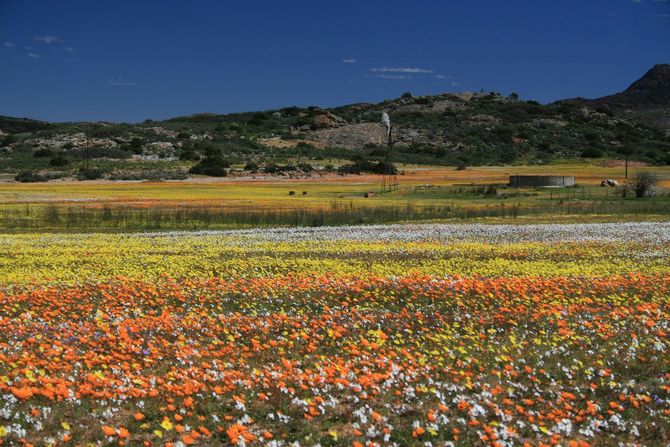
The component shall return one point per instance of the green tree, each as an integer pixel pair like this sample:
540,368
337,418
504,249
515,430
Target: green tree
213,164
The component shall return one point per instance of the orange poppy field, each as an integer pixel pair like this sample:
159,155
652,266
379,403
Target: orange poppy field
431,335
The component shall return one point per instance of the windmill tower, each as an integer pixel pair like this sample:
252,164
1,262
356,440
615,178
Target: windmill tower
389,177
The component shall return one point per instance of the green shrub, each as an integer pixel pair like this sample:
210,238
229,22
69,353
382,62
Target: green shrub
59,161
43,153
305,167
29,177
592,152
89,174
644,184
213,164
278,169
251,167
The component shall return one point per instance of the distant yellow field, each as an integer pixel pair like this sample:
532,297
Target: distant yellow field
274,192
424,193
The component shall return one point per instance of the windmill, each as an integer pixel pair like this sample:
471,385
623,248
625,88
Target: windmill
389,177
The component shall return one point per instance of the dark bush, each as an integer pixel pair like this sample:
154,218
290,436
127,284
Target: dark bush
258,119
89,174
136,145
644,184
102,152
305,167
29,177
251,167
503,134
278,169
361,166
59,160
212,164
384,167
7,140
189,153
357,167
592,152
42,153
271,168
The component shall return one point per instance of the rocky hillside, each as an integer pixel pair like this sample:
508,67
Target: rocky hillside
450,128
647,99
650,91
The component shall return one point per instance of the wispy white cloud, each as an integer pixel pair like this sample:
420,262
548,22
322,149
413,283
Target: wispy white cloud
46,39
33,55
414,70
637,1
69,49
454,84
440,76
349,61
393,77
663,16
120,81
8,44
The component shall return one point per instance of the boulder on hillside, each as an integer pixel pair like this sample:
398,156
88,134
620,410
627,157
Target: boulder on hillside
322,122
327,121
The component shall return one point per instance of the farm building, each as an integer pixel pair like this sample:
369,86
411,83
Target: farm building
536,181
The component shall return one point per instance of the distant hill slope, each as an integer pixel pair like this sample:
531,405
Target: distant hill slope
648,98
9,124
449,129
649,92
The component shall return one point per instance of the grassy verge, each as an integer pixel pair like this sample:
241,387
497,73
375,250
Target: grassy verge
116,218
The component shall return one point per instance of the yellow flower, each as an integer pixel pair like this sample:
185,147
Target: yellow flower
166,424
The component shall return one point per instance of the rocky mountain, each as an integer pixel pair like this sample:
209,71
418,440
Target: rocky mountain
648,98
450,128
650,91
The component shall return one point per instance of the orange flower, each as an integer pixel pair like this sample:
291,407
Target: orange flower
418,431
22,393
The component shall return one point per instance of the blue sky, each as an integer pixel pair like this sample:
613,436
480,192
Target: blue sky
133,60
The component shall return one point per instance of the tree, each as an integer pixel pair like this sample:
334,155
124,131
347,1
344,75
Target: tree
7,140
136,145
644,184
59,160
212,164
251,166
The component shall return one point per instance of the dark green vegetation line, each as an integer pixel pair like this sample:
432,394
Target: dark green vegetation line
67,218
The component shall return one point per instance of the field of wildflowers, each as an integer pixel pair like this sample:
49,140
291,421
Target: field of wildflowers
381,335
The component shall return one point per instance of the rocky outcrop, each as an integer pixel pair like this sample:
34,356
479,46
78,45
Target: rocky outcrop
327,121
351,136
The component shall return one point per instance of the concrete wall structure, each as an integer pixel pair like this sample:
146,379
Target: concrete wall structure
536,181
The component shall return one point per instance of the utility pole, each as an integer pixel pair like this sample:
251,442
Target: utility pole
88,148
626,168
